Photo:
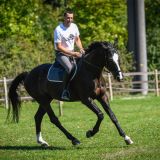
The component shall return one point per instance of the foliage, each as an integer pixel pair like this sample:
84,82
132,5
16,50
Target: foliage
153,33
105,23
26,30
25,35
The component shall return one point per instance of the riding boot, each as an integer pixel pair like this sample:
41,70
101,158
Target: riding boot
65,93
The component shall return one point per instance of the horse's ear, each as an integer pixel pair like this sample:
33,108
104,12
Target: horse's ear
104,45
115,44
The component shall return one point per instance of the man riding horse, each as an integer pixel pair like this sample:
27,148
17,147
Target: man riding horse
65,36
98,55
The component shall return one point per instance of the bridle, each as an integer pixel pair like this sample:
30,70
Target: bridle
111,59
97,67
89,63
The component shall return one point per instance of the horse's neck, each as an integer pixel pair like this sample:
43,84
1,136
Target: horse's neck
90,68
96,58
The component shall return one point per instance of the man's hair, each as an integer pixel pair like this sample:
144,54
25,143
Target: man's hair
68,10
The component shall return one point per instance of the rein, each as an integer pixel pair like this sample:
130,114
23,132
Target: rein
99,69
93,69
92,65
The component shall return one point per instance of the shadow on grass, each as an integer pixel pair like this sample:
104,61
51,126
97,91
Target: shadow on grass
31,148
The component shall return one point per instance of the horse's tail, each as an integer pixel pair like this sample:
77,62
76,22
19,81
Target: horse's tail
14,99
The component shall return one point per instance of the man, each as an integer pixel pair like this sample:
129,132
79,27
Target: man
65,36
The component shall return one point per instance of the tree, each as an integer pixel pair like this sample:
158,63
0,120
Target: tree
25,35
26,31
103,20
153,33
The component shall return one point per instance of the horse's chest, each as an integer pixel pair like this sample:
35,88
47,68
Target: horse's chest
99,89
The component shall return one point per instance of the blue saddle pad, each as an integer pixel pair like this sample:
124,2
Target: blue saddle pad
55,73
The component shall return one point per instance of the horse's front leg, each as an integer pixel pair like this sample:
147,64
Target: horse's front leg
92,106
112,116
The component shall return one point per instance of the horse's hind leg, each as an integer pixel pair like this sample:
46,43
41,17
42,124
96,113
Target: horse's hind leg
38,119
92,106
55,121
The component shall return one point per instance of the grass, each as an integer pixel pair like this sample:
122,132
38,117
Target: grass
140,118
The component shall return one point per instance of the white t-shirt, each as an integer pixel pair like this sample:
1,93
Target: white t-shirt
66,35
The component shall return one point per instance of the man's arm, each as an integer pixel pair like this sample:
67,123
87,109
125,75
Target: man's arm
79,45
67,52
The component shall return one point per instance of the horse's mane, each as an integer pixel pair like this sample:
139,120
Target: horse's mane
97,44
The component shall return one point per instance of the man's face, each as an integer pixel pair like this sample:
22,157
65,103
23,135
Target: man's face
68,19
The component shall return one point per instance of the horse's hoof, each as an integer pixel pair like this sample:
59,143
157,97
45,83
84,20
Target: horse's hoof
45,145
89,134
76,142
128,140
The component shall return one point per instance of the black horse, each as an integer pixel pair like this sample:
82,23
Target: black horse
85,87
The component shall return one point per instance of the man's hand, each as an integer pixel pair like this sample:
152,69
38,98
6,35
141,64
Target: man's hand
82,51
77,54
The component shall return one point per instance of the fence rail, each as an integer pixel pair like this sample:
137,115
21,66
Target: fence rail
129,84
114,88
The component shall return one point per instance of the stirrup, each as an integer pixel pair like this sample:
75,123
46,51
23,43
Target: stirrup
65,95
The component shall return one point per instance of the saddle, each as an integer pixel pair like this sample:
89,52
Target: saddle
56,72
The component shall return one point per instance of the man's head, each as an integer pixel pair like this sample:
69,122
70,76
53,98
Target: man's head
68,17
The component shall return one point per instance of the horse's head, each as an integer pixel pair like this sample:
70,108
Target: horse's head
100,54
112,60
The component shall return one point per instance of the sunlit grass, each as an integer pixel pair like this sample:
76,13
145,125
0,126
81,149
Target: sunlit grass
140,119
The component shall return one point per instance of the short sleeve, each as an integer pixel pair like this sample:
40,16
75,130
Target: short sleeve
57,36
77,30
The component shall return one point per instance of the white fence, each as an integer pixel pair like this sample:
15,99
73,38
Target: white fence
114,88
4,86
128,86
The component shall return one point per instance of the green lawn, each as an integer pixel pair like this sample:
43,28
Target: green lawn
140,119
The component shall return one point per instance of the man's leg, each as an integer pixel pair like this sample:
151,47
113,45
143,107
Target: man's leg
65,62
66,82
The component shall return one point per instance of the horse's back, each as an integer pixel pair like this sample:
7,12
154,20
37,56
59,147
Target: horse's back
39,71
40,88
35,81
43,67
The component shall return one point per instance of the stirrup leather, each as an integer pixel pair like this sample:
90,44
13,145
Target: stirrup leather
66,95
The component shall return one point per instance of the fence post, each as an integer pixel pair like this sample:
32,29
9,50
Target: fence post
6,92
110,86
156,82
60,108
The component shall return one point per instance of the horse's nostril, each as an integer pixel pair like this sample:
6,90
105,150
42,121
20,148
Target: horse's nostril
119,78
